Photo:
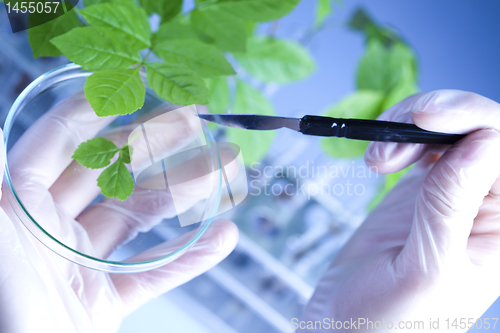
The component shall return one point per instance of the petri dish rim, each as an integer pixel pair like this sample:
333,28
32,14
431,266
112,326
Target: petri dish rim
51,242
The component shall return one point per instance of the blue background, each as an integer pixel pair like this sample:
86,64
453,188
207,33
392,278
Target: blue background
456,43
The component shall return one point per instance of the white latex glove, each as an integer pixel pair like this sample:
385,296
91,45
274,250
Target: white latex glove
431,249
42,292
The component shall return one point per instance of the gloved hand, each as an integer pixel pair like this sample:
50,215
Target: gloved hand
431,249
42,292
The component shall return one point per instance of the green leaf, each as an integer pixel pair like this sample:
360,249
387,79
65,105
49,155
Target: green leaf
94,2
39,36
323,10
177,84
202,58
125,153
118,2
218,94
406,87
402,65
174,30
97,48
372,69
254,144
116,181
115,92
362,22
225,30
96,153
274,60
361,104
167,9
128,19
382,68
250,27
258,10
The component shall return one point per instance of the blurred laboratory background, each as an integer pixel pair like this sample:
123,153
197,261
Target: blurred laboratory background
287,241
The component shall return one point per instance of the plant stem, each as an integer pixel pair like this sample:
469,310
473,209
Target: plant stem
146,57
131,140
273,28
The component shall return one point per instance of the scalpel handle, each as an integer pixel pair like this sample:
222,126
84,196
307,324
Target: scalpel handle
373,130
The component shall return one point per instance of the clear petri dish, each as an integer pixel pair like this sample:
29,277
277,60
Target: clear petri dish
175,166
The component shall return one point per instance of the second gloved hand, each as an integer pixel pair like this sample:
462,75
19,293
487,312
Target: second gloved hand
431,249
42,292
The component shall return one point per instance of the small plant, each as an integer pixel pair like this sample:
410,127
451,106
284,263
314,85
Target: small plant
97,153
193,46
186,61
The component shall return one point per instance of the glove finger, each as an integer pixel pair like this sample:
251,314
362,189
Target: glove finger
455,111
449,200
484,243
44,151
137,289
448,111
388,157
112,222
486,222
77,187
